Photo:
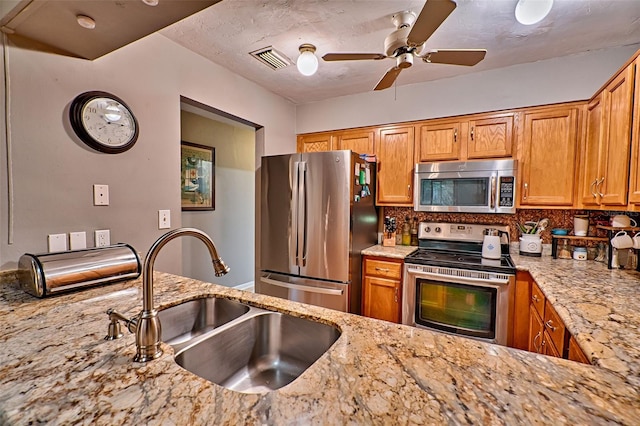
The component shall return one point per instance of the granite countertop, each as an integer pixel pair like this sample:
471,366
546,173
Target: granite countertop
395,252
56,368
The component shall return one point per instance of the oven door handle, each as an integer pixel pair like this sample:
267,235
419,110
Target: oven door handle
305,288
456,279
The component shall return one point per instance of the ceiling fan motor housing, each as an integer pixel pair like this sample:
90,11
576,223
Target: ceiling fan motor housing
404,60
396,43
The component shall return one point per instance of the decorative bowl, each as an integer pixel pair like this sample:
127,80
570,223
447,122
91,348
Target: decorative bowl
559,231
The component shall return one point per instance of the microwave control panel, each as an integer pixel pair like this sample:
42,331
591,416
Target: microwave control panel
507,184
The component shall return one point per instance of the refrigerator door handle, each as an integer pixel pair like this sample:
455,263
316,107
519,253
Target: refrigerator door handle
321,290
293,241
302,208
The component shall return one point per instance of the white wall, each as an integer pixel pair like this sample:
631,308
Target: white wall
53,172
570,78
231,224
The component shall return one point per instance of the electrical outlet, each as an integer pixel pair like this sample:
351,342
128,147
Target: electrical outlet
164,219
78,240
57,242
100,195
103,237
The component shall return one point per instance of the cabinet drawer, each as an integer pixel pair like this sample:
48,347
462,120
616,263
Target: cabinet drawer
382,268
555,327
537,299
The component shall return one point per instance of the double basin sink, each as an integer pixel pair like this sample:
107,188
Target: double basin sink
241,347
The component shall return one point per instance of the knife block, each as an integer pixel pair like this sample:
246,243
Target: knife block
389,239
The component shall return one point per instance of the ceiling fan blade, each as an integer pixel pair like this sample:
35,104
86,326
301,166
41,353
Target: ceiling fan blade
468,57
431,17
388,79
352,56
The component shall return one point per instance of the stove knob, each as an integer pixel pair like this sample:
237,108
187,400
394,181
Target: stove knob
427,229
438,229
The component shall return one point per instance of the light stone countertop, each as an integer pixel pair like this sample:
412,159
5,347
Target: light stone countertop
56,368
395,252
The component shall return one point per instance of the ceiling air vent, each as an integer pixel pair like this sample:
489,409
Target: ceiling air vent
271,58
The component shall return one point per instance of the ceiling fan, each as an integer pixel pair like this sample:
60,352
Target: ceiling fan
408,40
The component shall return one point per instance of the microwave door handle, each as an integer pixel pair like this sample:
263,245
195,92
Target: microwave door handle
302,214
293,241
493,193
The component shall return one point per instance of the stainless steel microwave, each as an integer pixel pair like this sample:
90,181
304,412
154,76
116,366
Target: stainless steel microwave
483,186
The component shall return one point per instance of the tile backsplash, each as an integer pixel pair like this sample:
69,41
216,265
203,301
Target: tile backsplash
557,219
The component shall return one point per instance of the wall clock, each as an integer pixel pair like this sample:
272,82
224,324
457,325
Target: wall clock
103,122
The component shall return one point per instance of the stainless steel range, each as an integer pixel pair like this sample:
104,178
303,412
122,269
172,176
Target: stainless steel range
448,286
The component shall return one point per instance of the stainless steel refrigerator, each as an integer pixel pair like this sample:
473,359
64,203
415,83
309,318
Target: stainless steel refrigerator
317,214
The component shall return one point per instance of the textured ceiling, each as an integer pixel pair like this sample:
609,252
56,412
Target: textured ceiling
226,32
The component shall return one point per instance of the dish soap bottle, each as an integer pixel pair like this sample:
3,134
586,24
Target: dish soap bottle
406,232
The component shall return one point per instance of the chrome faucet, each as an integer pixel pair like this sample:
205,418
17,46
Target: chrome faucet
146,325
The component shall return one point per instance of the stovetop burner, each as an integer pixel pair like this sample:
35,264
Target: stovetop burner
461,260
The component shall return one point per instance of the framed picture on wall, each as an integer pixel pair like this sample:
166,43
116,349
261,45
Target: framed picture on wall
197,166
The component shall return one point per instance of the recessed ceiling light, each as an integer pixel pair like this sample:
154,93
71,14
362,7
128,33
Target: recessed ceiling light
529,12
86,21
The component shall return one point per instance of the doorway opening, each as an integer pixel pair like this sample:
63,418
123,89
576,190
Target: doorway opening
231,224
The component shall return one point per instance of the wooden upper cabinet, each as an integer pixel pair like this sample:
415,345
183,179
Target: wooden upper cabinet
618,104
490,137
360,141
591,153
439,141
315,142
394,151
634,177
549,146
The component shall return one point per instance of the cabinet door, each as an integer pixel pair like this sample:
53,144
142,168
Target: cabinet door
548,347
536,331
549,143
439,141
634,177
394,151
522,296
618,101
315,142
490,137
361,141
554,327
591,153
381,299
575,353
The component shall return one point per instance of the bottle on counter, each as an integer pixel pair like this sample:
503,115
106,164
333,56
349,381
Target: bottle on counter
414,231
406,232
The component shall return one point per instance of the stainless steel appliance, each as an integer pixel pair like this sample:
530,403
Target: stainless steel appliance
317,214
448,286
483,186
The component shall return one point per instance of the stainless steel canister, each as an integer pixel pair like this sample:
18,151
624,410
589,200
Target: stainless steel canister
46,274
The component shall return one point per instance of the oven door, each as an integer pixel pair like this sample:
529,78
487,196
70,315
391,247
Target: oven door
467,303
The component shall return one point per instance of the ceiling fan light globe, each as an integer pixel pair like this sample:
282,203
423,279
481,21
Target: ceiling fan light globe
307,63
529,12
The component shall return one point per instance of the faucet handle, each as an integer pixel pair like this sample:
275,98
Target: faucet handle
115,331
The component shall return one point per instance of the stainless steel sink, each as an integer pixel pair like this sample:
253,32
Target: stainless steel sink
187,321
259,352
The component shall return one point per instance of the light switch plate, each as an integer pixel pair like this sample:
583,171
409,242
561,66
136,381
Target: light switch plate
57,242
100,195
78,240
103,237
164,219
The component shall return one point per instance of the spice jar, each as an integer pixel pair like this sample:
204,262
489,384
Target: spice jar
580,253
406,232
564,252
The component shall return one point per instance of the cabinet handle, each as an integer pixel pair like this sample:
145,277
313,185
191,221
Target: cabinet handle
395,295
471,132
409,191
542,346
382,269
535,298
600,182
592,187
455,135
526,191
549,325
535,345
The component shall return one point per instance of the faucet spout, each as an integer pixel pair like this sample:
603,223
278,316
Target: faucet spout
148,328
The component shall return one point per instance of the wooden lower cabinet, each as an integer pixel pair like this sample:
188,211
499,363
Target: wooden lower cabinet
382,288
520,312
575,353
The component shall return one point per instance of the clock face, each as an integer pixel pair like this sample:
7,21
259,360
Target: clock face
103,122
